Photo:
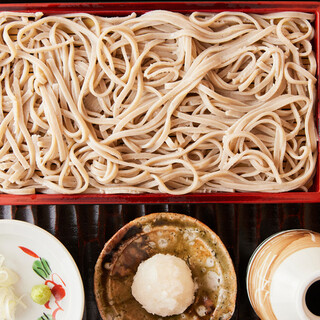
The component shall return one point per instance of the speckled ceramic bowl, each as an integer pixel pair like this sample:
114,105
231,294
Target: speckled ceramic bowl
167,233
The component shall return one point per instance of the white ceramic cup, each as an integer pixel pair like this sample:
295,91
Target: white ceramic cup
283,276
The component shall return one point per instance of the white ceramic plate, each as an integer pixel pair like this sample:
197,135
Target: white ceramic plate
27,247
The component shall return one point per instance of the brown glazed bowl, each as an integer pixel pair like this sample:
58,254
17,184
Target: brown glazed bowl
168,233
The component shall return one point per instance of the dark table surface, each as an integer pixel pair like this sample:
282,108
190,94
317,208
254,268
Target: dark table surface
84,229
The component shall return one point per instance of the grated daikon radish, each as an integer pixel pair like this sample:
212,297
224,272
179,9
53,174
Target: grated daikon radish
163,285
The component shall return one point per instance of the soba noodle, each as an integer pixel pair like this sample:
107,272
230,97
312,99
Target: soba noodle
161,103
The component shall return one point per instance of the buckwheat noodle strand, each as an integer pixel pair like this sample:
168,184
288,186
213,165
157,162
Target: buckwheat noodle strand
157,103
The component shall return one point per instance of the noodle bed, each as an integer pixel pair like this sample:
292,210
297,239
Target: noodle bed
158,102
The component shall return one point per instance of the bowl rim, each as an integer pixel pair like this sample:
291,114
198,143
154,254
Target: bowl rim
114,243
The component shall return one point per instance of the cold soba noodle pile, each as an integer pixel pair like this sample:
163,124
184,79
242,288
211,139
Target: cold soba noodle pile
157,103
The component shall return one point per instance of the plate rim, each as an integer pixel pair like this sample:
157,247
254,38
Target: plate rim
78,314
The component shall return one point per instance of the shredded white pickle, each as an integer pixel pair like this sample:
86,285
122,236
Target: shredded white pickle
8,299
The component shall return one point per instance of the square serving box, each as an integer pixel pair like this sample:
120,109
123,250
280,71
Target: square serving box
125,8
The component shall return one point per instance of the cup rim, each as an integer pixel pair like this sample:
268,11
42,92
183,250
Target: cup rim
257,249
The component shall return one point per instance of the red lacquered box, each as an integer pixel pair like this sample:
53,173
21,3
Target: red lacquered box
125,8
